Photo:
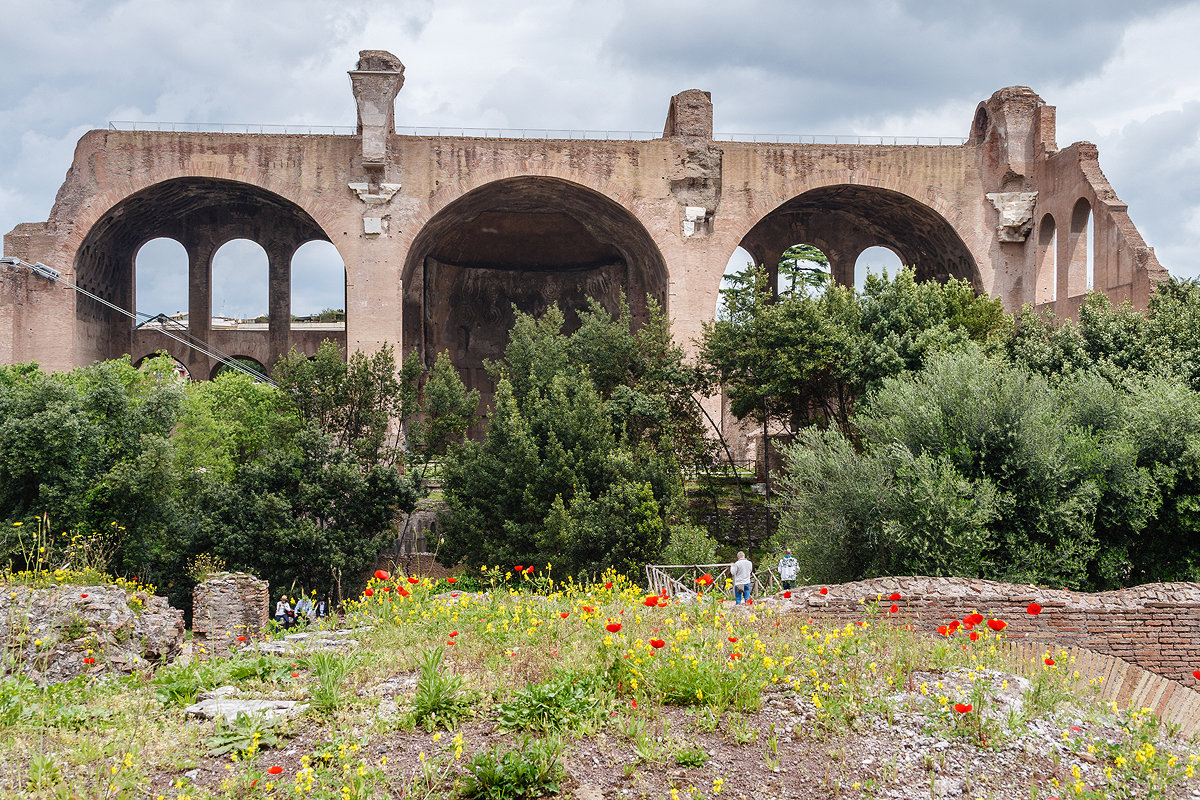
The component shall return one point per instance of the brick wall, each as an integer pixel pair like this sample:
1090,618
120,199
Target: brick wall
229,604
1156,626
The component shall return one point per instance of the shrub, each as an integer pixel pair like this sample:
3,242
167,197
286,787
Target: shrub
553,705
531,769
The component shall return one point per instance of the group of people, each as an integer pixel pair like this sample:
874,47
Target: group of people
742,574
304,610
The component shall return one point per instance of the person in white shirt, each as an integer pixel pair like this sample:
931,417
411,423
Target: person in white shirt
282,611
788,567
741,571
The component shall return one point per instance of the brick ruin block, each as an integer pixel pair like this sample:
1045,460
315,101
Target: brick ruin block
229,604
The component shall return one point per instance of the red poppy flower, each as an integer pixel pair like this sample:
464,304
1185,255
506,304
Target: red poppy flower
749,601
954,626
974,636
787,594
962,708
451,580
84,596
997,624
608,585
450,642
453,633
274,770
413,579
943,630
1076,729
369,591
254,783
735,656
528,570
400,590
651,601
657,643
612,627
295,674
973,619
1049,662
588,609
893,609
565,614
387,588
824,590
705,580
894,596
89,660
381,575
241,638
1034,608
733,639
633,703
1196,674
519,568
452,594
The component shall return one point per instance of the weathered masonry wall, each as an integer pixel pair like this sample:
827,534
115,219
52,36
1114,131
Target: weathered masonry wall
1156,626
228,605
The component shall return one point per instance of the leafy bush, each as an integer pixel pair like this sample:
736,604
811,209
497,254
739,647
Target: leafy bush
549,706
690,544
530,769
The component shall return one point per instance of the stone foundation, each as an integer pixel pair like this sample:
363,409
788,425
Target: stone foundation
58,633
228,605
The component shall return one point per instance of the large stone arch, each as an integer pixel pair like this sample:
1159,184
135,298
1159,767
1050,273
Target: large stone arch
202,214
844,219
525,241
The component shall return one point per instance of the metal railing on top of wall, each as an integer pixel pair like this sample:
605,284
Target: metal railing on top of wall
530,133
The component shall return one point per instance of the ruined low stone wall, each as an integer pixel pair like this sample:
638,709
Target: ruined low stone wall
1155,626
230,604
58,633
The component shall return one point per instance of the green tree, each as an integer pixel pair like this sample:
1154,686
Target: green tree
577,467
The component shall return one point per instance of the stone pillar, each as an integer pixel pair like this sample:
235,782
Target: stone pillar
376,81
200,256
279,301
230,604
690,114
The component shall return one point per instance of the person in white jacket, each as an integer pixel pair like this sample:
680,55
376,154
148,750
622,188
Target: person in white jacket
740,572
788,567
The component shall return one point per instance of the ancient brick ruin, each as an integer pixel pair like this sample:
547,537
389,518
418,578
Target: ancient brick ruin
441,235
1155,626
229,604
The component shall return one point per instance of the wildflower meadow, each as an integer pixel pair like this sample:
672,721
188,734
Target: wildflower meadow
506,682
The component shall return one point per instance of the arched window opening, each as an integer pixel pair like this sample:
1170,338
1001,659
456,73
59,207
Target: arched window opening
245,361
239,282
318,285
875,261
738,264
180,369
1046,289
160,278
1080,277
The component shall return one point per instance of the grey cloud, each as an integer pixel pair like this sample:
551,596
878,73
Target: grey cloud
771,58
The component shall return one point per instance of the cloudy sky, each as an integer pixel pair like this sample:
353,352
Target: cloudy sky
1122,74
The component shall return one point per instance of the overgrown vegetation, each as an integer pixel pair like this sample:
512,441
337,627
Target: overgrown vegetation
551,687
1063,455
141,473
